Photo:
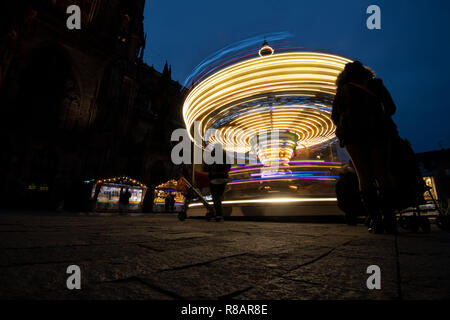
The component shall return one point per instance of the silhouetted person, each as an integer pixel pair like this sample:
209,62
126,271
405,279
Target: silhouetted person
362,111
124,201
172,202
167,203
218,179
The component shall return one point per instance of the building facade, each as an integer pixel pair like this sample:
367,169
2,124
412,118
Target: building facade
436,164
80,104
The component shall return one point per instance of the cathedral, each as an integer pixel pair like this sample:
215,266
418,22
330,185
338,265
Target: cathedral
80,104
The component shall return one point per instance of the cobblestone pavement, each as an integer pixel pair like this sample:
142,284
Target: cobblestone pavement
159,257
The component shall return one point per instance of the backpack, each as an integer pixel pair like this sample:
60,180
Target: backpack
348,196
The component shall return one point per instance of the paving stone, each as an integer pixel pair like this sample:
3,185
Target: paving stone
159,257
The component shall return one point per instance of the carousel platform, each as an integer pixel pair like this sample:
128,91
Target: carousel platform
305,208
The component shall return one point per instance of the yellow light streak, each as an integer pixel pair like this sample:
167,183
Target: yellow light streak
303,74
270,200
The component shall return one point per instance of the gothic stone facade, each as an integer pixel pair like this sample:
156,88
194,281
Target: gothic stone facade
79,104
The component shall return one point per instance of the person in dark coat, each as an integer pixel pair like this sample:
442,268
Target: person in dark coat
172,202
124,201
167,203
218,179
362,111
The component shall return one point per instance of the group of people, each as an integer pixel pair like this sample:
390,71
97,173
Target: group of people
362,112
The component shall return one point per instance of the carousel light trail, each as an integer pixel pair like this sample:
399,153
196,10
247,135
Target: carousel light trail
286,173
288,93
318,178
271,200
290,165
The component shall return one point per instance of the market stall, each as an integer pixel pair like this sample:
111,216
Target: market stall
163,194
106,193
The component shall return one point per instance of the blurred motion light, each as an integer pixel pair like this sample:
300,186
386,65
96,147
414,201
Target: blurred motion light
289,93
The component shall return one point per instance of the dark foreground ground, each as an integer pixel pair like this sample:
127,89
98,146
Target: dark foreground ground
159,257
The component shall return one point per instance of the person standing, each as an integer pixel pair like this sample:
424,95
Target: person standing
362,111
121,201
167,203
172,202
218,179
125,201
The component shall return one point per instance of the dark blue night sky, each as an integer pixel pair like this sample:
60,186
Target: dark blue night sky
410,52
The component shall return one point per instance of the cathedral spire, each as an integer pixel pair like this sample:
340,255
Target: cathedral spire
167,71
144,43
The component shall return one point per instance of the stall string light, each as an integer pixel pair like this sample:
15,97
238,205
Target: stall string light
121,180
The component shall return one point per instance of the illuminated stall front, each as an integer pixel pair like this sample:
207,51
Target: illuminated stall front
106,193
163,191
